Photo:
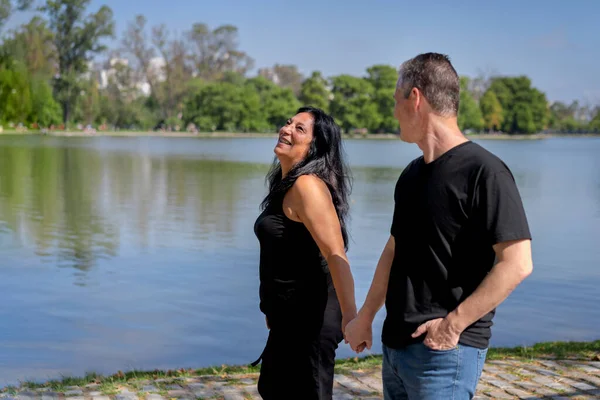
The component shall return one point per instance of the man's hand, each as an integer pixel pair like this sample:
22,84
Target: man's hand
441,335
359,334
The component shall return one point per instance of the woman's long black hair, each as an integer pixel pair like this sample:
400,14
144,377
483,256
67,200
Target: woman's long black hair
325,159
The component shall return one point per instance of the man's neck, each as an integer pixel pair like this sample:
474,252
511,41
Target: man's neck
442,135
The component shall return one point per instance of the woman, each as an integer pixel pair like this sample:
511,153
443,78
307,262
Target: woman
306,286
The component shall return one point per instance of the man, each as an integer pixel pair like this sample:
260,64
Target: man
457,209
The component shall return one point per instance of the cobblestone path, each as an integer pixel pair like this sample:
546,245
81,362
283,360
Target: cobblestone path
507,379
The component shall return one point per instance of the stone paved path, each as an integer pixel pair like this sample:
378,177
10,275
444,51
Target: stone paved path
539,379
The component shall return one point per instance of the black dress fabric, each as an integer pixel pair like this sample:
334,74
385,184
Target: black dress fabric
299,300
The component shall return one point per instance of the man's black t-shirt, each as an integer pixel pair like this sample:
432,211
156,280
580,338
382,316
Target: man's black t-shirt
447,216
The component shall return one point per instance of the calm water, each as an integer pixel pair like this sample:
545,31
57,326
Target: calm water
120,253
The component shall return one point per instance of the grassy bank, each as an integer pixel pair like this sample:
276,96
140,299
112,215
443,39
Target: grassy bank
384,136
109,384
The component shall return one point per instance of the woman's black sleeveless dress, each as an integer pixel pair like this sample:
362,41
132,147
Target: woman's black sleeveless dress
299,300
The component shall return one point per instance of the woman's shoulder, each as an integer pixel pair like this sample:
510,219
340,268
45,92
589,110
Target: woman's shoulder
309,186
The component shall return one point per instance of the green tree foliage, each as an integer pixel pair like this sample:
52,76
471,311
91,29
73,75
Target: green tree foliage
76,38
524,107
15,93
469,113
87,107
572,117
215,51
45,111
595,122
491,110
286,76
258,105
32,45
277,103
158,78
352,104
383,78
314,92
226,107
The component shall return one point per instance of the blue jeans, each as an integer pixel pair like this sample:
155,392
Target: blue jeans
418,372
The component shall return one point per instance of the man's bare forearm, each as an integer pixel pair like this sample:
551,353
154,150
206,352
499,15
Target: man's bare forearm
377,292
493,290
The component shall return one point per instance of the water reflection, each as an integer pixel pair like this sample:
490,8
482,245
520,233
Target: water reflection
74,206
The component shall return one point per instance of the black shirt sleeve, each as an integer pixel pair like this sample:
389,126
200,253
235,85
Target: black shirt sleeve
500,208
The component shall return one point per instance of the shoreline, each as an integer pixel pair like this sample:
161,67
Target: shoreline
224,135
587,352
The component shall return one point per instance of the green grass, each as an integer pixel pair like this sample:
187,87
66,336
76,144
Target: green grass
561,350
109,385
357,363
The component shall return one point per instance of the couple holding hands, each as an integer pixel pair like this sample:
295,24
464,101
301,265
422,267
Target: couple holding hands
459,244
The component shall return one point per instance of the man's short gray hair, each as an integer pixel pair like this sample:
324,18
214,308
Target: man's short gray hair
434,75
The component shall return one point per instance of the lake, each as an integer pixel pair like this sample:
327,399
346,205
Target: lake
122,253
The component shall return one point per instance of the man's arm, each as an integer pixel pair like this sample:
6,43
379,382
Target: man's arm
514,265
359,331
376,295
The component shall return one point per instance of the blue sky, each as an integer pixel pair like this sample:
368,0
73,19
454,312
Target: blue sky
556,43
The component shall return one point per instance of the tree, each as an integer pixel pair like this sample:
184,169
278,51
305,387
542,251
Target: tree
286,76
216,51
469,114
225,106
314,92
481,83
491,111
168,74
570,117
524,120
353,105
539,109
88,104
383,78
15,95
45,111
524,107
277,103
32,44
76,38
171,92
120,102
595,122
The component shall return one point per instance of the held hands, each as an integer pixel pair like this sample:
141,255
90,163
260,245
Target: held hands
441,335
358,334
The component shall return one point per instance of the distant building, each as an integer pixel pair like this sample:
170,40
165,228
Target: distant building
103,73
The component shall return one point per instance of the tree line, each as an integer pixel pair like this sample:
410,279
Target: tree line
199,80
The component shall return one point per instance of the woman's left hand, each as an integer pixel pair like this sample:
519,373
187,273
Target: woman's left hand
345,321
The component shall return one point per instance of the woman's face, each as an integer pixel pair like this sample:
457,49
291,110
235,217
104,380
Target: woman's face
294,139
